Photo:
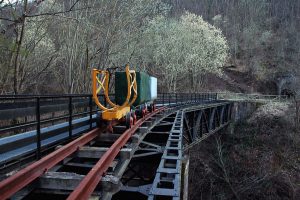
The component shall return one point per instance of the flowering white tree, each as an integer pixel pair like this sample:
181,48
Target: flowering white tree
186,45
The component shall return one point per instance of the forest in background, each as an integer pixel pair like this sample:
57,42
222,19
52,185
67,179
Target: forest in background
50,46
263,37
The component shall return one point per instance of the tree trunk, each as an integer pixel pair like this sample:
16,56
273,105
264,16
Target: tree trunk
19,44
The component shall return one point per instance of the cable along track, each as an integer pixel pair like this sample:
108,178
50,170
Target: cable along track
90,165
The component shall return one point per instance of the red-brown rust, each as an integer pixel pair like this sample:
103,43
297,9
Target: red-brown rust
16,182
91,180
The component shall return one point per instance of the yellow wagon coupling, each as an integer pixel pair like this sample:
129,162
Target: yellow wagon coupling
100,80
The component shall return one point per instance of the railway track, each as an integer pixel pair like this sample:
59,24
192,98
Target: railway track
91,165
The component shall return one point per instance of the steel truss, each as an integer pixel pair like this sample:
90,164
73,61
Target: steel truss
158,168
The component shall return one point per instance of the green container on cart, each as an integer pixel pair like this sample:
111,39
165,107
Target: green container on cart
143,88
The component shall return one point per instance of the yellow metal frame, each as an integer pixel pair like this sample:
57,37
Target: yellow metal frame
100,80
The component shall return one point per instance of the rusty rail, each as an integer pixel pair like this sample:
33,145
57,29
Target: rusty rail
91,180
16,182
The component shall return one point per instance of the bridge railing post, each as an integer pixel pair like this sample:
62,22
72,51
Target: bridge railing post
176,98
163,99
70,116
91,111
169,99
38,128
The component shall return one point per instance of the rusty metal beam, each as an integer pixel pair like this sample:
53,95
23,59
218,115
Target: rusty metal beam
97,152
16,182
91,180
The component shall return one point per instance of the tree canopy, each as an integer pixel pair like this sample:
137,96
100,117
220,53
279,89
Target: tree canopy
61,41
180,46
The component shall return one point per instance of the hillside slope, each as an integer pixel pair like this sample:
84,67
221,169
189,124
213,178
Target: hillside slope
260,160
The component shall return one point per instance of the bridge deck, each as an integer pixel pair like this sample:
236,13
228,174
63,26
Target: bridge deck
130,159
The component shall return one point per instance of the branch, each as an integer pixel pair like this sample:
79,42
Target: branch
60,12
56,13
74,5
21,18
42,71
223,167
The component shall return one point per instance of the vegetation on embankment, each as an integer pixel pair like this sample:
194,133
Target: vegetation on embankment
263,38
260,160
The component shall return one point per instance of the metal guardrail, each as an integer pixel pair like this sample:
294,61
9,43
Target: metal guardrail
251,97
22,113
33,116
170,99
